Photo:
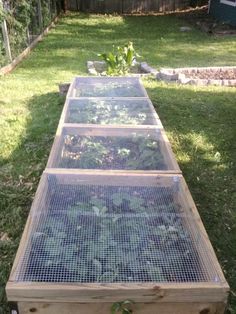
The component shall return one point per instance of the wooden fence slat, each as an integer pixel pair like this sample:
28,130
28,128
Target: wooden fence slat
127,6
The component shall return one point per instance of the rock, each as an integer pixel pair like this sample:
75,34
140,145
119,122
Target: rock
185,29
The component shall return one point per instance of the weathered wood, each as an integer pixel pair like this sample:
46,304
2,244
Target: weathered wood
106,293
129,6
112,178
105,308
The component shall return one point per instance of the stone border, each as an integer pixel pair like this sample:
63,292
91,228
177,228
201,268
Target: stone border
165,74
98,67
176,75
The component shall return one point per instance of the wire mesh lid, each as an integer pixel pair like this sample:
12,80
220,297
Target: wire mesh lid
105,229
107,87
113,149
111,111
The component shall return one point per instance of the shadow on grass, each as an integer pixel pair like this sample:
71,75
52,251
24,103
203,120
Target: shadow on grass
202,129
19,176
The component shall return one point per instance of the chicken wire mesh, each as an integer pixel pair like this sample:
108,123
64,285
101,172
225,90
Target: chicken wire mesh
112,149
83,232
107,87
111,111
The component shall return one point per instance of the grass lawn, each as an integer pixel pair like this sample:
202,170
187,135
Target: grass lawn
200,122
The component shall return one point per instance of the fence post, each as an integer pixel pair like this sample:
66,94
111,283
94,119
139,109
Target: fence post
6,40
6,37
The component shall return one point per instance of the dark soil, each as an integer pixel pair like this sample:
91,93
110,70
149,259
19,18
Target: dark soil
227,74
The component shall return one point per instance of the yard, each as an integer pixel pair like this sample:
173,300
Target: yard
200,122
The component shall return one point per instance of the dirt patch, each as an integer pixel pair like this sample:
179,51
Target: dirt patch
221,74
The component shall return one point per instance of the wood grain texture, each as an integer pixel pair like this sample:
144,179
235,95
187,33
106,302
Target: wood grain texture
105,308
105,293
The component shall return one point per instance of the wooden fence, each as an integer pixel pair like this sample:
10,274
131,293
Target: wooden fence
126,6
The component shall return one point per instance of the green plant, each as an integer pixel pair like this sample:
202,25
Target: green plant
120,62
122,307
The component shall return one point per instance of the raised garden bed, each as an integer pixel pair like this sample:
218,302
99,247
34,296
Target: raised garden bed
111,111
101,238
113,149
220,76
113,218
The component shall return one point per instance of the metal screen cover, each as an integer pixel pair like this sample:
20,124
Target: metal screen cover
84,232
112,111
106,149
107,87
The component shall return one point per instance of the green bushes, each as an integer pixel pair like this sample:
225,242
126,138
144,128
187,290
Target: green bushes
25,18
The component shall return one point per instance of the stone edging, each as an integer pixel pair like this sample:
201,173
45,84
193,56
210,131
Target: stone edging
165,74
175,75
93,67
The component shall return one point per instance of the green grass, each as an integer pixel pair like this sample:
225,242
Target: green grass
200,122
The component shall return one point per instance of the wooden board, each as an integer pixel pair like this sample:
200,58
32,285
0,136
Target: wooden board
105,308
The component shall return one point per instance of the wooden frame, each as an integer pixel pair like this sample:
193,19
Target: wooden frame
202,297
114,131
191,297
153,114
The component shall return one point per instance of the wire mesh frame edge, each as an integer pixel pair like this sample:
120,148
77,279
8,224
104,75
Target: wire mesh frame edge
41,195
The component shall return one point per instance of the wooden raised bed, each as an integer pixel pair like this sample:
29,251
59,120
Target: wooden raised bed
172,271
113,148
96,236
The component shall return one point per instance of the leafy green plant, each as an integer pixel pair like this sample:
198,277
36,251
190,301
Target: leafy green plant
122,307
100,152
120,60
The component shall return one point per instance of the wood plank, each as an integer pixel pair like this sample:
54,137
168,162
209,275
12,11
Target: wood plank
99,293
111,178
105,308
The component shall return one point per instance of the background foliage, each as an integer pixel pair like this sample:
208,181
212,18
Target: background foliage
23,22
